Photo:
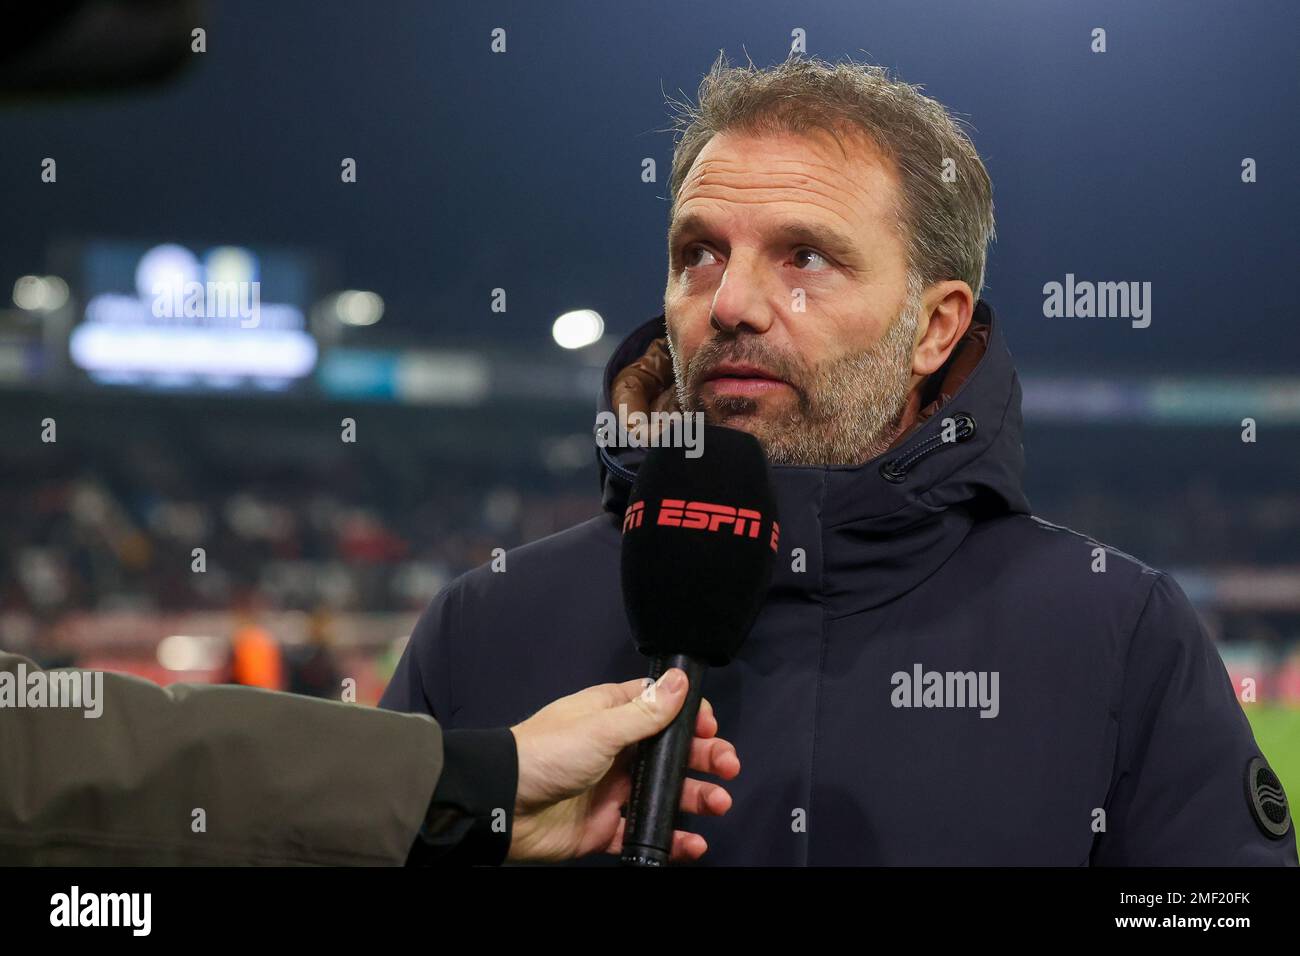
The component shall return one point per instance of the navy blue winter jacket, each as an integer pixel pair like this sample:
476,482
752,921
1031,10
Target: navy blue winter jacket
942,678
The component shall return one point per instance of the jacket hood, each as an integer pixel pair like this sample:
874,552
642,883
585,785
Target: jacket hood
873,531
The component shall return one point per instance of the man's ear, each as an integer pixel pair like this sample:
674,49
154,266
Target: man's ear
946,310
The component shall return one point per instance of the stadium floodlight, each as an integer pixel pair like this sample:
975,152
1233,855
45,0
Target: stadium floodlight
164,270
230,264
354,307
577,329
40,293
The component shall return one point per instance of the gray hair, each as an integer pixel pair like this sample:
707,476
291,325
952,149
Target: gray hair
946,226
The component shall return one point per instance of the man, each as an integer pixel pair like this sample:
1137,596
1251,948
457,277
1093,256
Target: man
936,676
137,774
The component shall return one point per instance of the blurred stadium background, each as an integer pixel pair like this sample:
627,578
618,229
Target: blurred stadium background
523,172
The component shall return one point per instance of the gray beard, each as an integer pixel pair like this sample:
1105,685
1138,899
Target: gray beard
847,412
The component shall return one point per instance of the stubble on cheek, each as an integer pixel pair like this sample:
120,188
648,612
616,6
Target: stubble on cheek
840,412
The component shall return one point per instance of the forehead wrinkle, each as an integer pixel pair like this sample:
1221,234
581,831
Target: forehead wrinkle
726,193
705,175
728,162
797,166
799,177
800,180
872,202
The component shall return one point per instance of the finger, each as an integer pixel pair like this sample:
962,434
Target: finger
700,797
704,799
613,695
706,724
618,789
616,842
688,847
647,713
714,756
629,689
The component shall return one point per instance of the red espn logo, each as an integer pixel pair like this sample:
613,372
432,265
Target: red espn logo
702,516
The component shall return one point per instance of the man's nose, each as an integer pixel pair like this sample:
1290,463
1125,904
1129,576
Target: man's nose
740,299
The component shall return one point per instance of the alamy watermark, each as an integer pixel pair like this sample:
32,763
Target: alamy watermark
1102,300
639,429
72,690
130,910
922,688
211,299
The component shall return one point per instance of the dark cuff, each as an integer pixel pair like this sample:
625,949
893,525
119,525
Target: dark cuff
471,816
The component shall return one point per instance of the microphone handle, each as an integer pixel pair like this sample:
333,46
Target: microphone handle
659,772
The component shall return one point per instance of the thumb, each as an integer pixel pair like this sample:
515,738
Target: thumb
650,710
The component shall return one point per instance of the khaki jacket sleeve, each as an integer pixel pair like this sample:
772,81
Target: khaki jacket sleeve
197,774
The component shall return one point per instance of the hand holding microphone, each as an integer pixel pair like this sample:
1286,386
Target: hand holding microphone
574,769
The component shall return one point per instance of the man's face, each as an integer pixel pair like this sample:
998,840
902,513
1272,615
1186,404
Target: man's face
789,247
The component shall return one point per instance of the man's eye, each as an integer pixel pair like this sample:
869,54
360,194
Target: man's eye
691,257
806,259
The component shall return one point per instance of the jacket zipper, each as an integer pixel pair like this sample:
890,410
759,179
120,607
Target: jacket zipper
615,467
895,469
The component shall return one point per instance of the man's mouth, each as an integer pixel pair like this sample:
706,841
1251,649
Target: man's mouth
742,378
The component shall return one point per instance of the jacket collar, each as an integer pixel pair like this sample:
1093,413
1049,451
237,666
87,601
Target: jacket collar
873,531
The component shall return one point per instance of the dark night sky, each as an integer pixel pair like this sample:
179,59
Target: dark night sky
522,170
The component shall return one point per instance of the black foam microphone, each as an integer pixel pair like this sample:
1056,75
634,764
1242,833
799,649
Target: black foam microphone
699,542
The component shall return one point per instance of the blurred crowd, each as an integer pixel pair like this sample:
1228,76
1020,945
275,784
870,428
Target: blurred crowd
160,534
311,558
